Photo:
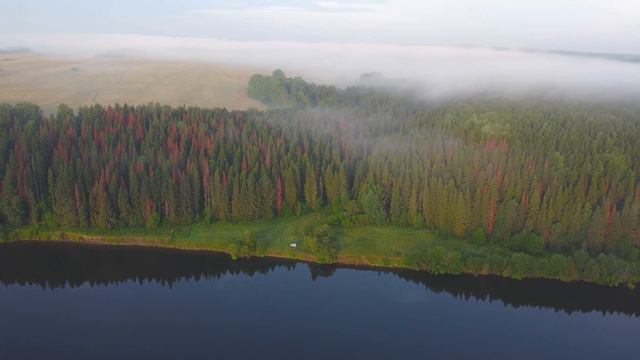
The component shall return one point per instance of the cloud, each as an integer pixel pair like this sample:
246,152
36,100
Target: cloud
346,6
580,25
559,24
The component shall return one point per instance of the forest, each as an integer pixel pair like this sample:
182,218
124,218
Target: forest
554,185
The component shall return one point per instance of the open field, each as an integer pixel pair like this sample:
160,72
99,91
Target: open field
49,81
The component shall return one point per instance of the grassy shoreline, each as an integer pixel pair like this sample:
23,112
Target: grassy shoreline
370,246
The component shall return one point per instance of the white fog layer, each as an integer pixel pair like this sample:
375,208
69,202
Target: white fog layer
436,70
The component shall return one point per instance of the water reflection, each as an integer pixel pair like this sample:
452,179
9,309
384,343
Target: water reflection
57,265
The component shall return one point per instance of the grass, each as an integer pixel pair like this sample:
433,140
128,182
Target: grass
359,245
382,246
275,235
50,81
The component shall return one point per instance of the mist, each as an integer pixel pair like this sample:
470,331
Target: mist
432,71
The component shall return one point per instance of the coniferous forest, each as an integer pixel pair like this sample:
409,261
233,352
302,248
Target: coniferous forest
556,183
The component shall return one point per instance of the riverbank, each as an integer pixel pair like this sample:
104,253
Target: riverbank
377,246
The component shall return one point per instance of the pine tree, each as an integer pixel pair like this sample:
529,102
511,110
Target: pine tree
413,212
461,216
311,187
291,187
64,209
12,207
236,201
124,207
597,229
266,193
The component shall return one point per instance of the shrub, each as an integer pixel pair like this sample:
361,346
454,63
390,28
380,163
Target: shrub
520,266
526,242
321,242
348,216
437,260
478,237
245,247
557,267
496,263
371,200
580,259
626,249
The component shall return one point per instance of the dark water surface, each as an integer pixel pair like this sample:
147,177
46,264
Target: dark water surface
68,301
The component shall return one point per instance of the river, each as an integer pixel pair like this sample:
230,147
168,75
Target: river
64,300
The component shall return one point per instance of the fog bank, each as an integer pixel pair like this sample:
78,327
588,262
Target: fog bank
437,71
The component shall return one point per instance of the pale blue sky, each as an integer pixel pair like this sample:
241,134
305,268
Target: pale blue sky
586,25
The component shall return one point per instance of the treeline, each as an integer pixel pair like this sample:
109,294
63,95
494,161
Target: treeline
529,176
278,90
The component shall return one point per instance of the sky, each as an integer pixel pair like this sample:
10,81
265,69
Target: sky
577,25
